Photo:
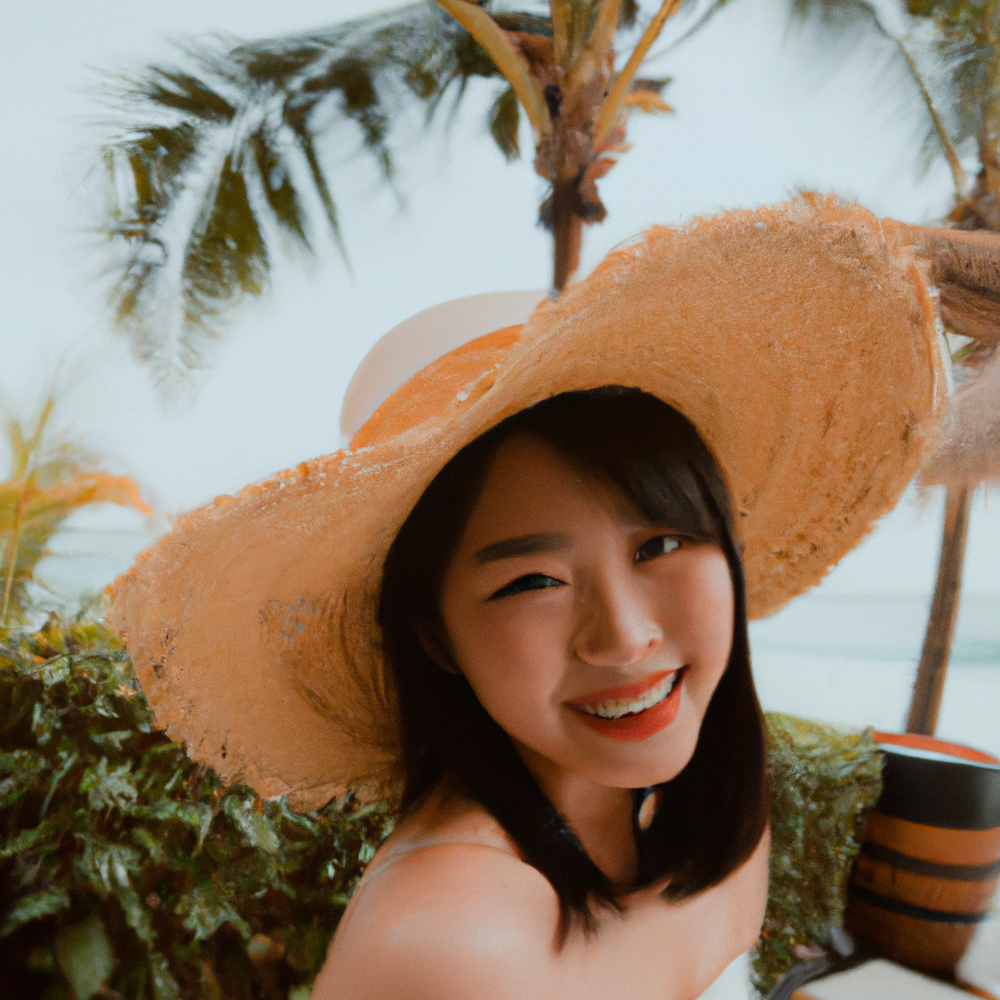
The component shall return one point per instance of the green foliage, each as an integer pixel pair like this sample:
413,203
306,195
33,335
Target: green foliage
965,36
822,780
505,119
125,869
216,158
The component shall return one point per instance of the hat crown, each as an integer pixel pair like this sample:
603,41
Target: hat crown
420,340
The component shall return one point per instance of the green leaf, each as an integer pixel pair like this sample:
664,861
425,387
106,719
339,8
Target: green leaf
226,255
136,913
265,868
105,865
164,985
55,671
157,156
252,824
276,182
24,840
504,121
113,740
109,789
361,71
26,770
66,763
205,909
195,815
298,123
822,780
45,722
34,907
147,840
180,91
85,956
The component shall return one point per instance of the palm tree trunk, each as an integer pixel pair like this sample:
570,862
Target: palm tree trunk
929,684
567,232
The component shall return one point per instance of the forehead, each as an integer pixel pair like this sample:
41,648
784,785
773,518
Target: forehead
530,485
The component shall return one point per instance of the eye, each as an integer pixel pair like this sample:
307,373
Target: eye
530,581
659,545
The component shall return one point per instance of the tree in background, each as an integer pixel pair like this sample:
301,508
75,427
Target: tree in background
225,160
217,164
964,37
50,479
950,51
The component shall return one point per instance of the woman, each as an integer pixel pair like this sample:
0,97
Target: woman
561,610
516,604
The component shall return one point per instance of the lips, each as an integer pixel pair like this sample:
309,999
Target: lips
636,725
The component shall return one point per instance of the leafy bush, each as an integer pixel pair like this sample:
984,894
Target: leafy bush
126,871
823,779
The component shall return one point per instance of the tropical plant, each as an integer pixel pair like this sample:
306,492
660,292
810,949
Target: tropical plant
128,873
956,73
49,480
218,162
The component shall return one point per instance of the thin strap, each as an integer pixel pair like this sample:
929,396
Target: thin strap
396,853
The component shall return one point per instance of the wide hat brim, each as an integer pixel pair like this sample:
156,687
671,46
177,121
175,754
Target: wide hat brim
801,342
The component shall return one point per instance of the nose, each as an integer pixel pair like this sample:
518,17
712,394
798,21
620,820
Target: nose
616,628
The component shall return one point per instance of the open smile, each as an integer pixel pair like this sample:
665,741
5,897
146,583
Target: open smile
633,712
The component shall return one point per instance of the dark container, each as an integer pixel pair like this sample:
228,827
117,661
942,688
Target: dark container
930,857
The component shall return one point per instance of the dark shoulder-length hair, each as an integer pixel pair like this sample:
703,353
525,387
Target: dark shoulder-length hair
711,816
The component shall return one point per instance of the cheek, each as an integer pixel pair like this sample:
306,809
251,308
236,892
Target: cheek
707,612
511,656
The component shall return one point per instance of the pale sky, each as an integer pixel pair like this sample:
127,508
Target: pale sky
761,112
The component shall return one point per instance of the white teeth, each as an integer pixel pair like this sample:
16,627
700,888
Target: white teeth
621,707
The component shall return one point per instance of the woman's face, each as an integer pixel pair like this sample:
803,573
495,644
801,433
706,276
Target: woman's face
592,636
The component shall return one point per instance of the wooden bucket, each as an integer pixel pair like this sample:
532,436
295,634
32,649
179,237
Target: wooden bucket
930,857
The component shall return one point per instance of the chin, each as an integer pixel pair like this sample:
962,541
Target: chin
651,763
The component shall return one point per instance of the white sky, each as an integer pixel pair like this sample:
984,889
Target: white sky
761,112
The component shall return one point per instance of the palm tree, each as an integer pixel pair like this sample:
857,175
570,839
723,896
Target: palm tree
964,50
49,480
217,162
965,41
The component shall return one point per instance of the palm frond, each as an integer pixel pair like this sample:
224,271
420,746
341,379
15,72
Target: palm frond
965,37
214,161
282,198
51,477
505,118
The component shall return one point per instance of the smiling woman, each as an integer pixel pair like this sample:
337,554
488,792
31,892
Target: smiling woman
558,611
573,562
516,605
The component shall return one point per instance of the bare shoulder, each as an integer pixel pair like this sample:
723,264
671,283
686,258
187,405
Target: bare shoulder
444,920
447,909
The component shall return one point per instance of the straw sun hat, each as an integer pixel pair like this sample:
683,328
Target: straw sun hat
801,341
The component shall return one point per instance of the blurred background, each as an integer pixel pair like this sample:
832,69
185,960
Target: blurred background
763,106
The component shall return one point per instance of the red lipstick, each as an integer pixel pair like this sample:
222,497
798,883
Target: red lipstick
642,725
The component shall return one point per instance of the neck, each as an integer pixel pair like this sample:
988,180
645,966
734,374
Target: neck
600,816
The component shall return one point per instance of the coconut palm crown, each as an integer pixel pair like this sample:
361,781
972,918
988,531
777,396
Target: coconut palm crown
215,164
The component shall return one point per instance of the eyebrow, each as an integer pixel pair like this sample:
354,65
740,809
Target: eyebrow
524,545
